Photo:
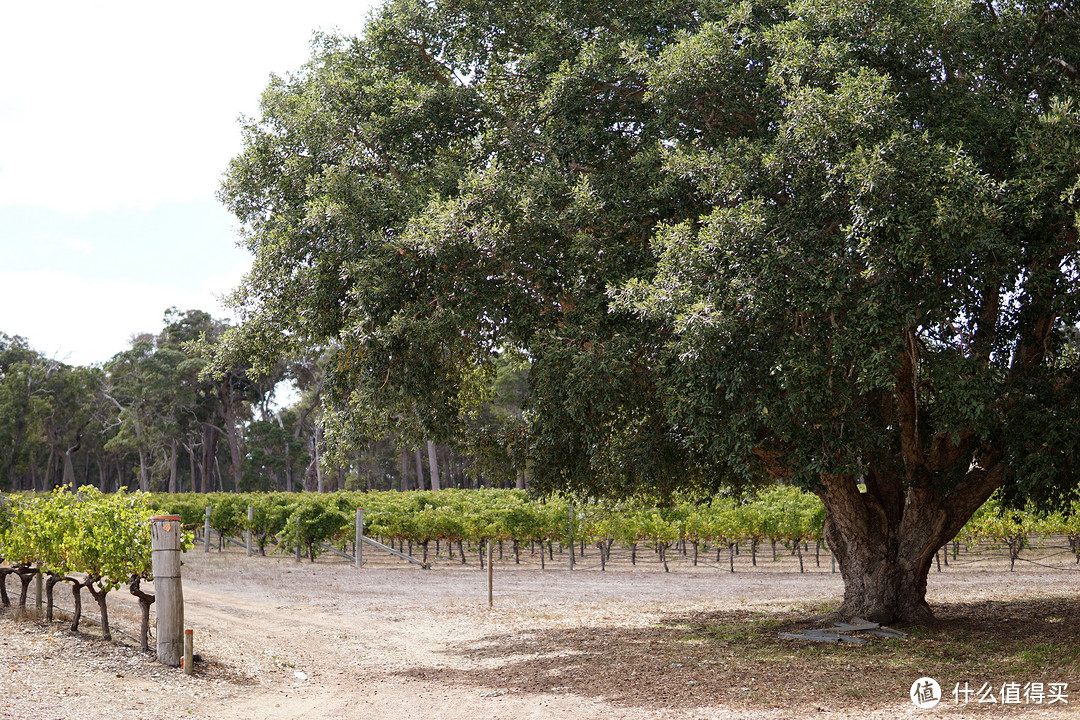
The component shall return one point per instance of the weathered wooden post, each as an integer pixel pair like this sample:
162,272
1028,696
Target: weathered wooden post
247,535
189,653
491,574
571,538
169,596
298,538
37,591
359,545
206,531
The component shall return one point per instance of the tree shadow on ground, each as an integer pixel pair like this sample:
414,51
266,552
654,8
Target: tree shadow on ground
735,658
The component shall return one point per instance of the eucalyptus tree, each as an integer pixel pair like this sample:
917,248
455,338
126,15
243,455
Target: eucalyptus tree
423,197
225,397
69,394
19,380
829,242
46,407
139,383
496,433
195,416
274,453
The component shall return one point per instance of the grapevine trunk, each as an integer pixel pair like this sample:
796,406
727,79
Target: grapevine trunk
26,574
76,597
50,585
99,595
145,600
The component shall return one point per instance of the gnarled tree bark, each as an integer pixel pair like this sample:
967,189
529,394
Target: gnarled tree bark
885,539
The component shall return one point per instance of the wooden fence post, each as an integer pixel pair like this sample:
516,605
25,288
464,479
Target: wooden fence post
297,538
247,535
169,595
359,545
491,575
571,538
206,530
189,653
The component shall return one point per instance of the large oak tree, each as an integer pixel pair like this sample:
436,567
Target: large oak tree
834,242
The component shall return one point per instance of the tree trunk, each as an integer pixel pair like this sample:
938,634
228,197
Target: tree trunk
69,470
311,476
315,459
191,471
404,470
419,470
433,466
46,482
144,473
885,539
20,427
370,466
232,435
172,467
209,446
26,574
50,585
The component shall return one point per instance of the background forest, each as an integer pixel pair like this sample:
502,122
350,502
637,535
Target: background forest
150,418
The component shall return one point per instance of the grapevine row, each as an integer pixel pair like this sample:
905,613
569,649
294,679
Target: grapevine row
778,515
93,541
455,517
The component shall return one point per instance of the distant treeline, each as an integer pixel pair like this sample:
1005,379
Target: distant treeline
151,419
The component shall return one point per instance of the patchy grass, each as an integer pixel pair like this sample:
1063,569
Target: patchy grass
735,658
1019,641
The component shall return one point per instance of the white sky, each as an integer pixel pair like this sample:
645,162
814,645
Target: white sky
117,120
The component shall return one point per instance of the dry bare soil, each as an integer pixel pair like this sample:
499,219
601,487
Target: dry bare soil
281,639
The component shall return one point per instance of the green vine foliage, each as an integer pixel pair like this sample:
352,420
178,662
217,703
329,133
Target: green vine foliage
106,537
780,513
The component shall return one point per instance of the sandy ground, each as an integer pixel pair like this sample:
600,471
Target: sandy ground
281,639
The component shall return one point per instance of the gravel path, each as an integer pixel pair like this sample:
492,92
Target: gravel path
280,639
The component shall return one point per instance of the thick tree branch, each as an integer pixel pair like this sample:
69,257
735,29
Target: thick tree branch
969,495
944,453
907,407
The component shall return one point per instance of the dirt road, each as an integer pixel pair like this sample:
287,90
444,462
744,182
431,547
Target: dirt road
282,639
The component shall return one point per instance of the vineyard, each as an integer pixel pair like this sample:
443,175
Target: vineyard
413,638
456,525
100,542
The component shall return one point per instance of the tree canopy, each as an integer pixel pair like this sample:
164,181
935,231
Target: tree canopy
826,241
